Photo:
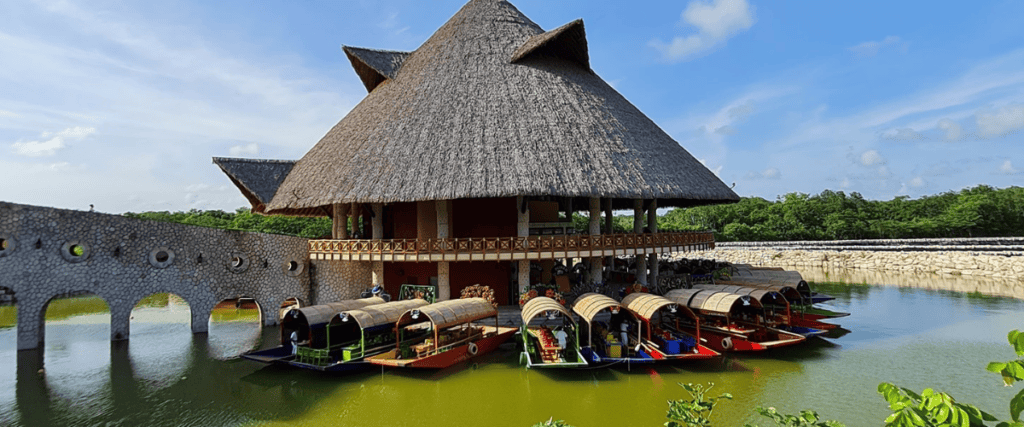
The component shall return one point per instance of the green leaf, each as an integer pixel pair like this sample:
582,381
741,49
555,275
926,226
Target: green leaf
1016,339
1017,406
1014,370
996,367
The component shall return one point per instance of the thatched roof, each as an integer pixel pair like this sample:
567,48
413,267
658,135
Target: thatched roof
493,106
259,179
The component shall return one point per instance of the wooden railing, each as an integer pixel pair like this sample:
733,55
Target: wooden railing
509,248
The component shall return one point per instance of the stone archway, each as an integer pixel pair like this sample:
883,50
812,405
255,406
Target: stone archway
235,326
288,305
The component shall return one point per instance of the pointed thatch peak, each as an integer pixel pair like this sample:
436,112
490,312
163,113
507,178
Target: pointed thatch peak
374,66
492,106
568,41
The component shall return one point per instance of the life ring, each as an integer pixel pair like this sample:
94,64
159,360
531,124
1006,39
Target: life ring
472,349
726,343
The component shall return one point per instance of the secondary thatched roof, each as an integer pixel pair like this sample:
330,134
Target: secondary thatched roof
259,180
493,106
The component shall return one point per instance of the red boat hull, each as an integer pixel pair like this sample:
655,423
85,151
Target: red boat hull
448,358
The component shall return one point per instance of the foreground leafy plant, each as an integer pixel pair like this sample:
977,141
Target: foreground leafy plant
930,408
552,422
1012,372
805,419
695,412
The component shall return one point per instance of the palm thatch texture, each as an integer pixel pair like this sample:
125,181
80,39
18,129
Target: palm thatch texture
259,179
493,106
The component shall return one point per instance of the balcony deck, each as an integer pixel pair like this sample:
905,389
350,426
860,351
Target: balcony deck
509,248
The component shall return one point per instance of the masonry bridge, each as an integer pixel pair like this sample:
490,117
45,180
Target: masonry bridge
46,253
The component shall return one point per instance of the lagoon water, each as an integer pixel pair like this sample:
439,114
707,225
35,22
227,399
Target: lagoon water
164,375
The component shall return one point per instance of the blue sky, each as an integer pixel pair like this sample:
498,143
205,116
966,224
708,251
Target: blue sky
122,104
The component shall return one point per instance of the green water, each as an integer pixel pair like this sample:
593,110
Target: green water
166,376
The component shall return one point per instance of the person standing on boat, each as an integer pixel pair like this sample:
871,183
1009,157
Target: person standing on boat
624,334
295,342
561,336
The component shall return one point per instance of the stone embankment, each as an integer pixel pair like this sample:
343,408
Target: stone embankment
999,258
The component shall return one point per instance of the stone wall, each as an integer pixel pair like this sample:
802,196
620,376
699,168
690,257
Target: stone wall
1001,265
47,253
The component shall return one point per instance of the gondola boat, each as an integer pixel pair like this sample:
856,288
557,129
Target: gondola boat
442,334
353,335
799,300
777,312
729,321
547,347
309,325
660,341
617,340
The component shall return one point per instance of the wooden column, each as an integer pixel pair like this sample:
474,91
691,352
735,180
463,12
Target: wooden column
444,290
596,264
353,212
638,228
367,230
523,230
378,234
652,259
339,225
609,228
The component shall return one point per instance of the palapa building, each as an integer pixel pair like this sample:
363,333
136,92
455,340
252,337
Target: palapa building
458,165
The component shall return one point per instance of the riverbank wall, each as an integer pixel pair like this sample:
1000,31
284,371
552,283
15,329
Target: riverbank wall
997,258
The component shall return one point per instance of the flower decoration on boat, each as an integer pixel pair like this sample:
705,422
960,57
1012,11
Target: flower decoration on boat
479,291
538,290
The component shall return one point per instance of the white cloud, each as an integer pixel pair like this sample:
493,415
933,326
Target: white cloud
1008,168
717,171
716,22
726,130
917,182
245,150
55,141
871,48
871,158
1007,119
770,173
5,113
902,134
951,128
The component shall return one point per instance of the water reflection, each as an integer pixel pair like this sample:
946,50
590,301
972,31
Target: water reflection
166,376
970,285
234,328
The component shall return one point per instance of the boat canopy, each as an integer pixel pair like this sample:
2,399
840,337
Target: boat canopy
589,304
540,305
319,314
383,314
765,296
305,320
646,305
789,292
450,313
712,302
799,284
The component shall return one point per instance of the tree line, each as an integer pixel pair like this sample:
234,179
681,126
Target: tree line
980,211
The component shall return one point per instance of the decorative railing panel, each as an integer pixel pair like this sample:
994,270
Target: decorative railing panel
510,248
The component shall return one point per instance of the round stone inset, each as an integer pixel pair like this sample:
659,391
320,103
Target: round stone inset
237,262
294,268
7,244
75,251
161,257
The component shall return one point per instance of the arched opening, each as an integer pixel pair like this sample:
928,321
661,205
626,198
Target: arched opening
76,351
161,338
8,348
235,327
288,305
